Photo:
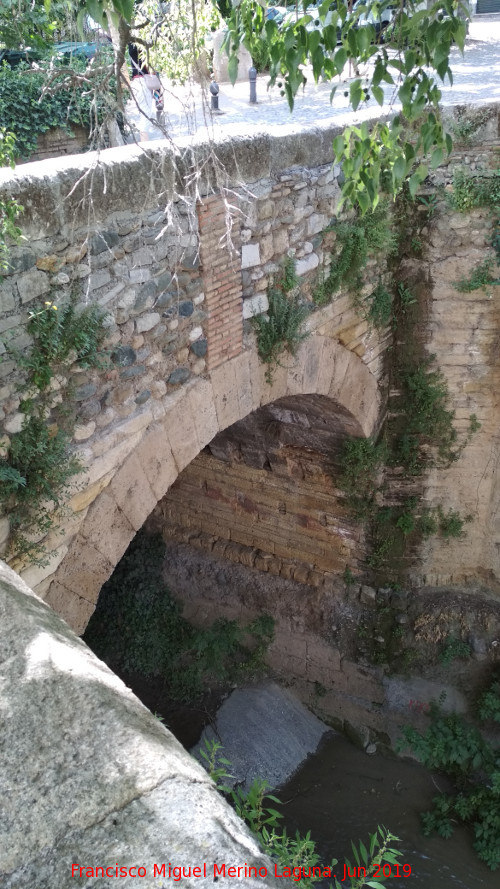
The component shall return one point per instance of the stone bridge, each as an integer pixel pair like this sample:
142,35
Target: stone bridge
179,246
179,269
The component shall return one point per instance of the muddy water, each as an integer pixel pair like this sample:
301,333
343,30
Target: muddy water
341,794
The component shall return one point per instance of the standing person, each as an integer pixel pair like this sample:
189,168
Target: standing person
146,88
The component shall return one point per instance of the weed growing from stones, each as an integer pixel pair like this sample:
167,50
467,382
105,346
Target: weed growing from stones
467,125
356,241
480,278
282,329
474,190
39,467
454,649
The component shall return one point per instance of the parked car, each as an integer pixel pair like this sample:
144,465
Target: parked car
14,57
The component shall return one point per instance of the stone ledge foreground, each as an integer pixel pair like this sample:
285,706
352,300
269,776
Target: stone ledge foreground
89,776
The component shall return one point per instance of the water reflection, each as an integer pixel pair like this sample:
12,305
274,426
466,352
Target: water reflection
341,794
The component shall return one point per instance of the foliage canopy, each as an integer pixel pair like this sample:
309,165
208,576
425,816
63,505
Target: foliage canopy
402,71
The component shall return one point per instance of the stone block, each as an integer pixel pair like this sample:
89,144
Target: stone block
74,609
181,431
368,596
7,302
131,489
139,276
14,423
100,466
256,305
102,241
250,256
32,285
147,322
226,395
83,499
267,249
82,433
280,242
157,460
107,528
127,428
35,574
98,279
242,372
203,410
84,570
307,264
316,223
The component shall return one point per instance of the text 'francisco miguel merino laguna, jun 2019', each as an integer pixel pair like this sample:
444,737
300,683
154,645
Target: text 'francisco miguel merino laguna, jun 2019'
176,873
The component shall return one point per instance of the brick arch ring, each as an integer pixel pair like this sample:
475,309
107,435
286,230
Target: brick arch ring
198,412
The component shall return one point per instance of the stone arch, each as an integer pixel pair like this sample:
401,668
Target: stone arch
196,414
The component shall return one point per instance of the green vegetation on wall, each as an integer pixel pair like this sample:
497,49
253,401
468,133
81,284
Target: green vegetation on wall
9,209
39,467
34,101
281,330
356,241
419,430
472,191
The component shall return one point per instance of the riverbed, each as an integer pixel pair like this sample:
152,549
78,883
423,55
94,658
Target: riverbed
341,794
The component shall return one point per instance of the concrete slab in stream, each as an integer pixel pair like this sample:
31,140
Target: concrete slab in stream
265,732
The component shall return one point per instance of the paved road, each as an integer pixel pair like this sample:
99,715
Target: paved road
476,79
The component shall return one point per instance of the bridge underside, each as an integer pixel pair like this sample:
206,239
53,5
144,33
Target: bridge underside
264,493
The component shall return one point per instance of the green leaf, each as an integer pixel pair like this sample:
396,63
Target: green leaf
340,58
364,853
399,169
378,94
355,93
232,68
437,158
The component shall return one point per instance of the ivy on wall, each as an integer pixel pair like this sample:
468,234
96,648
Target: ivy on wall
39,467
419,430
29,106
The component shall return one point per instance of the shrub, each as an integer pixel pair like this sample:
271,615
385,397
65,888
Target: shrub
457,748
138,627
39,466
28,108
